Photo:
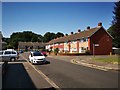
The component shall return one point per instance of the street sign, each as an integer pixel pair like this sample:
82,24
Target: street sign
96,45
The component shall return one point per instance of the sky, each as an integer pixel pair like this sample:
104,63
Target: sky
65,17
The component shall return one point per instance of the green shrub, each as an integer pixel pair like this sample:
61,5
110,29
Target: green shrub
87,52
56,50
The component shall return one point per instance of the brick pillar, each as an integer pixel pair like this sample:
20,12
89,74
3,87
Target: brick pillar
78,46
88,43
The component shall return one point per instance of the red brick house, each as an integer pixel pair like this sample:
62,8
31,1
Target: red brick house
95,40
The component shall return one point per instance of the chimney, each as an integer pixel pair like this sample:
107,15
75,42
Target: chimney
79,30
66,34
99,24
71,33
88,27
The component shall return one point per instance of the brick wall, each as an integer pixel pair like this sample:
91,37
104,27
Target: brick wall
104,41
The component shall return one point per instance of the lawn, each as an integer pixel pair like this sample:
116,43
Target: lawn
108,59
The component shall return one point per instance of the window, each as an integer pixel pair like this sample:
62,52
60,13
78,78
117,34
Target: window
81,40
84,39
37,54
7,52
13,52
66,42
83,48
1,53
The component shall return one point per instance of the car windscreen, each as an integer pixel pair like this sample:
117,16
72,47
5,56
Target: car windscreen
37,54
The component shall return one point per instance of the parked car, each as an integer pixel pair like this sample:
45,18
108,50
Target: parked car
9,55
37,57
21,51
44,53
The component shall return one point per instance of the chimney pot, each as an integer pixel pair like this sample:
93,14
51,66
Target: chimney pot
99,24
66,34
88,27
79,30
71,33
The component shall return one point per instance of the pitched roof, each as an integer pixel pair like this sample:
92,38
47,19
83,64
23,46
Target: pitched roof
31,44
76,36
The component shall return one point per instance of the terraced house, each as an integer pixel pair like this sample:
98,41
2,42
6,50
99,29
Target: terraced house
95,40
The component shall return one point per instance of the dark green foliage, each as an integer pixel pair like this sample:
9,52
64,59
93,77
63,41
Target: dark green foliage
114,30
49,36
28,36
56,50
59,34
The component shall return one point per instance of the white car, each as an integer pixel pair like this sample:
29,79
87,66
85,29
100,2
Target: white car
36,58
9,55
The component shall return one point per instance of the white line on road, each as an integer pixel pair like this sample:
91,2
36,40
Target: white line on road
44,76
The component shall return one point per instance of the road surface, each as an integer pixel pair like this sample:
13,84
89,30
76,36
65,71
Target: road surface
68,75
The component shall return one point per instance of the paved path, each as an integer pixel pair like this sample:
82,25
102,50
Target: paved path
21,75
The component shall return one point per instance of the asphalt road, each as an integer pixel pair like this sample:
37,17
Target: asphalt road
69,75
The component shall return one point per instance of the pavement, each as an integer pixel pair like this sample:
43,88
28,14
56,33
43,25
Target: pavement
21,74
88,62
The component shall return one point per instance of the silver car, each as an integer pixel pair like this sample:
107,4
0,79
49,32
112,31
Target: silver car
8,55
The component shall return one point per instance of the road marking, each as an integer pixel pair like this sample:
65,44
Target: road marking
44,76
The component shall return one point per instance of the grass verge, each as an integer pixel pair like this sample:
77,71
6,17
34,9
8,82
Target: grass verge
109,59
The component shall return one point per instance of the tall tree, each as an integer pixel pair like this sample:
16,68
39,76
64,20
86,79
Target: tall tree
25,36
114,30
49,36
59,34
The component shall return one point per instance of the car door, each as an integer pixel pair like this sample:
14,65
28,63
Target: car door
6,56
1,54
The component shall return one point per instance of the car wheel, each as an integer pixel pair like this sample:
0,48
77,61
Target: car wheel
12,59
32,62
29,61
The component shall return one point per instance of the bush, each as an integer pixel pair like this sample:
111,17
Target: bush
117,51
87,52
56,50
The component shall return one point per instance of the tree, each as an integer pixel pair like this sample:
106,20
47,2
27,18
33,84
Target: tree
56,50
59,34
28,36
114,30
111,31
49,36
25,36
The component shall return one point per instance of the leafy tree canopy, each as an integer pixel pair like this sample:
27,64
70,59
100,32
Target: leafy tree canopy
28,36
114,30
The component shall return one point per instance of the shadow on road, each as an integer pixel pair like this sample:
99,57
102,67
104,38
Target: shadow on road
17,77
